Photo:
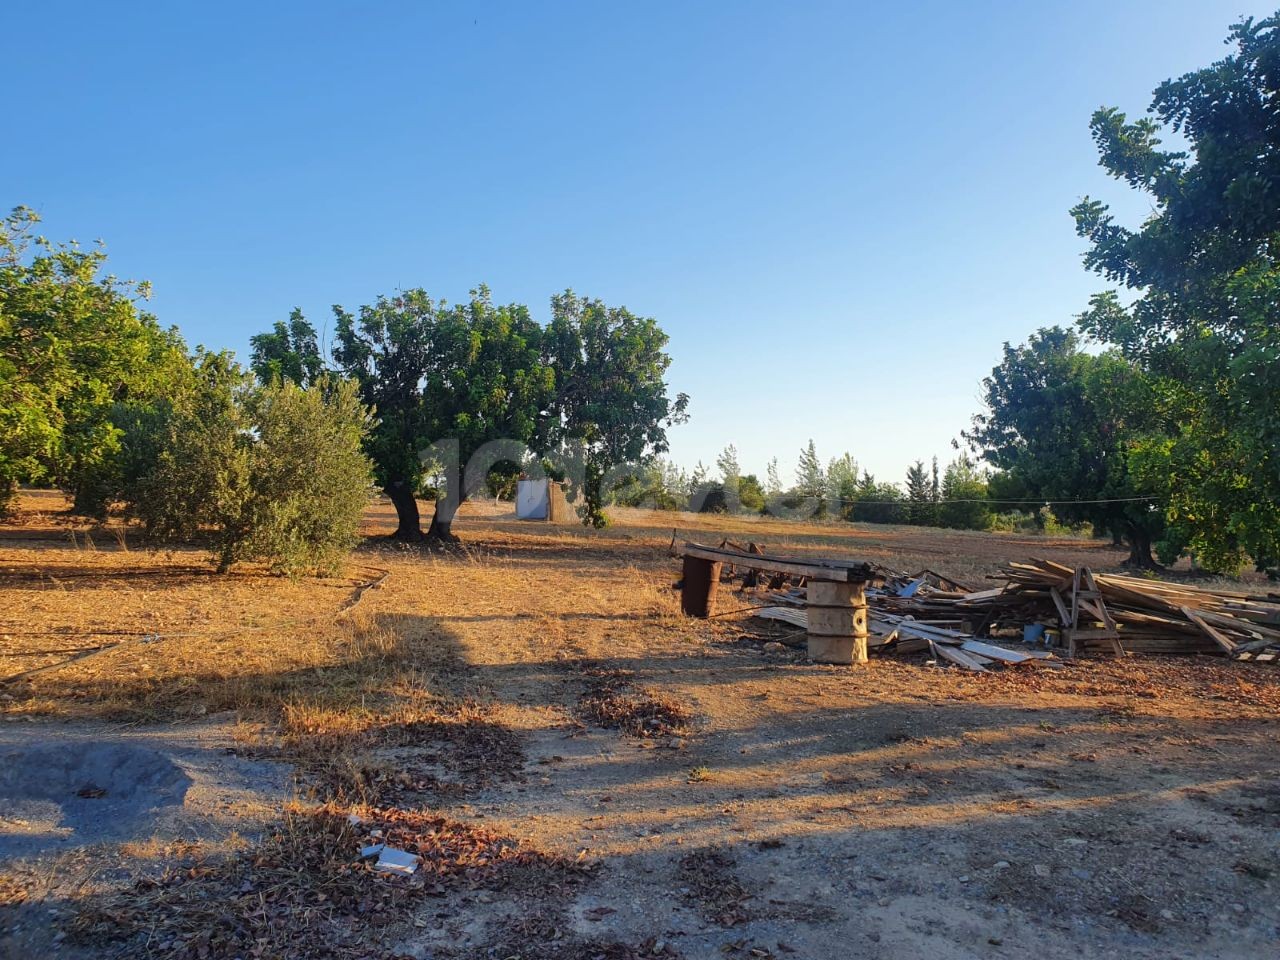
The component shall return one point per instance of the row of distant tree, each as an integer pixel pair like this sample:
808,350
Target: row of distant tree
959,496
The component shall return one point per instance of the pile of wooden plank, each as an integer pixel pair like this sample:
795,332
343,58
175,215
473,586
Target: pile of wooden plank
1085,613
1041,611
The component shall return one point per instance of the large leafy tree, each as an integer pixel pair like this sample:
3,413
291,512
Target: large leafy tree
76,357
611,398
488,387
1203,271
448,378
1063,424
388,349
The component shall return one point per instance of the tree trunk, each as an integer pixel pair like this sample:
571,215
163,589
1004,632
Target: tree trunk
410,523
1140,550
441,529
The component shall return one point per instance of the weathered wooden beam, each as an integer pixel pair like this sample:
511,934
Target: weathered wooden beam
836,571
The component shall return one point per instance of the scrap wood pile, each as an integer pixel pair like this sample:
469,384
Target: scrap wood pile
1042,610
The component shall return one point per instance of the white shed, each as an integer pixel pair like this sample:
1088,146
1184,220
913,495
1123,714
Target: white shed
540,500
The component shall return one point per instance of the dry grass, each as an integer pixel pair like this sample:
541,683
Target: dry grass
434,692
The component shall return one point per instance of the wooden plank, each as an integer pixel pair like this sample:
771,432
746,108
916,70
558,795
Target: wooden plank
958,657
835,570
796,618
1213,634
992,652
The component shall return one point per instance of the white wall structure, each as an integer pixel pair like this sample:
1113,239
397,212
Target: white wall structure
533,499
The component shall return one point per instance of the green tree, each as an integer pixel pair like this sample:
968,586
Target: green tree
772,483
389,349
964,495
74,347
1203,273
289,352
275,474
751,494
1062,425
811,481
842,483
310,479
877,502
611,399
920,506
448,379
485,391
201,482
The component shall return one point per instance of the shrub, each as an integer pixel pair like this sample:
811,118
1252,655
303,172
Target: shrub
309,477
275,474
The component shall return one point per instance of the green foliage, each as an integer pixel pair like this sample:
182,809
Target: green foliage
77,359
922,495
962,485
735,493
1062,424
469,373
657,485
611,400
751,494
1205,277
201,482
842,484
811,481
275,474
877,502
289,352
309,477
772,483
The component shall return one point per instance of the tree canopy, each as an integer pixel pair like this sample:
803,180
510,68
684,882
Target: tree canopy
1061,423
1203,273
290,352
74,350
611,401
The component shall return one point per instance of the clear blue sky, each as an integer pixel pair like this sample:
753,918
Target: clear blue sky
837,211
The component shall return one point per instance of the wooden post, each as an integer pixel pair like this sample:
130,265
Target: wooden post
701,584
837,614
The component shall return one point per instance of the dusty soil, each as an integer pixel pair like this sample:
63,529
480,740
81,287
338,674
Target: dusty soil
725,801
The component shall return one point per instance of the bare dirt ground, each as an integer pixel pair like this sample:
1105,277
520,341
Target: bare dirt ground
589,774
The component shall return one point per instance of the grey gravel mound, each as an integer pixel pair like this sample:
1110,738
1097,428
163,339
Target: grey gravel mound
54,791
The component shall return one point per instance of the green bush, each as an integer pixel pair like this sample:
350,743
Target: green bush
274,474
310,479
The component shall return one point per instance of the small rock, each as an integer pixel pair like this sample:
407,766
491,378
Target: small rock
1041,870
1238,907
1074,842
964,879
773,646
1166,914
995,941
1001,864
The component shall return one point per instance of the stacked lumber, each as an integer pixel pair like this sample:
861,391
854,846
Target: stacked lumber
1160,617
1077,612
1145,616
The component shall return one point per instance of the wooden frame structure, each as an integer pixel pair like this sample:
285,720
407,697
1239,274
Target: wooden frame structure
836,598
